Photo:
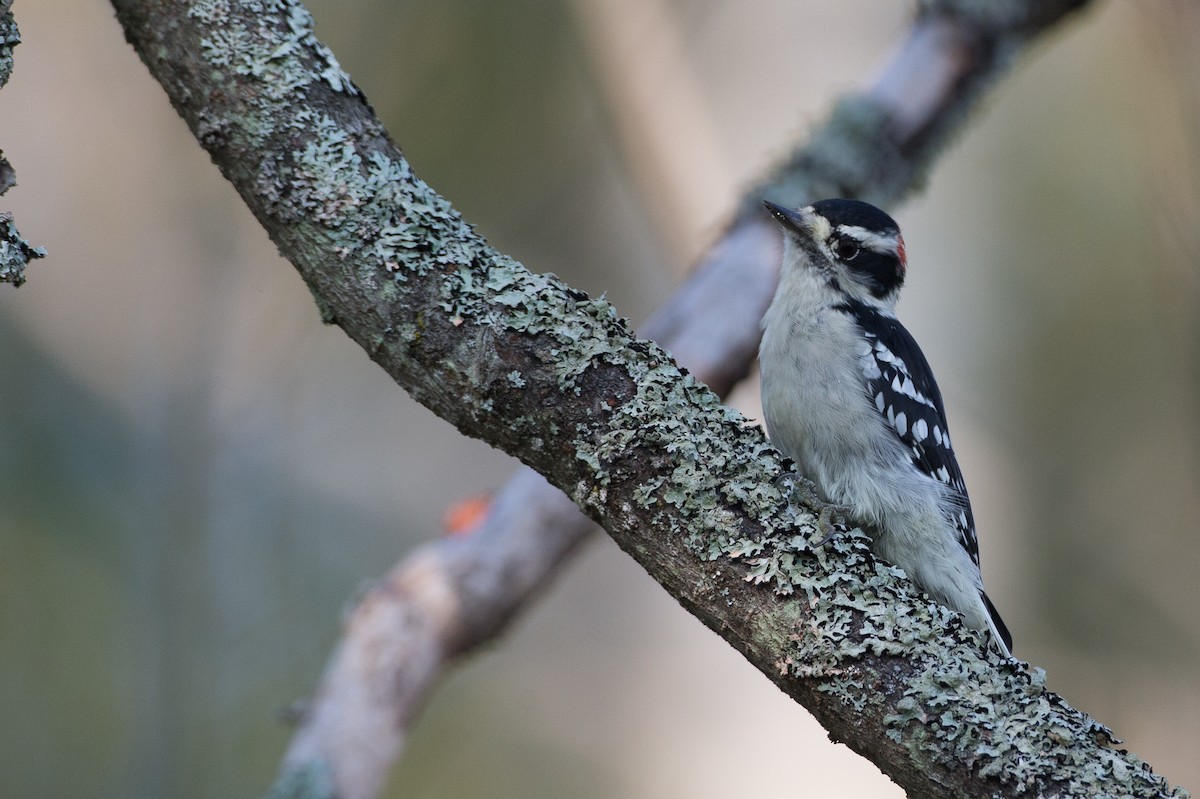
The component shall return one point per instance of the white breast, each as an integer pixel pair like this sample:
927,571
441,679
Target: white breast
813,391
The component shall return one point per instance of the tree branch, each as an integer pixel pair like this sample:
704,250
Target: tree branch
452,595
15,252
553,377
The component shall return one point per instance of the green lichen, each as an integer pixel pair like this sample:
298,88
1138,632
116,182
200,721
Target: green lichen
231,43
963,705
496,291
1004,724
10,37
374,209
15,252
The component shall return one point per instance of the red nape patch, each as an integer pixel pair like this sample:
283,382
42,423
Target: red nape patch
901,254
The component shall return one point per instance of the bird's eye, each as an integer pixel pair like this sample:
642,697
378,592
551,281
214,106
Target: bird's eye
846,249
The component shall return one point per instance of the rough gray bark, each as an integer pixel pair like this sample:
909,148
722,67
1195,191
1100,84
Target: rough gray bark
15,252
555,378
454,594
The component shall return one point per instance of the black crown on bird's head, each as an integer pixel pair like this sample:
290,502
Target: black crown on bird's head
855,238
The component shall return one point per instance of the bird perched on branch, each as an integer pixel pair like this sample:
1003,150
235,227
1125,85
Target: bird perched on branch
848,395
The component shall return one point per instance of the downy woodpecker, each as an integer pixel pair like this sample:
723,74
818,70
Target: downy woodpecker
848,395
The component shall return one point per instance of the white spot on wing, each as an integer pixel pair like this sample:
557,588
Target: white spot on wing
870,369
920,430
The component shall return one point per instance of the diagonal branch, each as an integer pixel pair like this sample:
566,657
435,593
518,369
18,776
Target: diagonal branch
555,378
452,595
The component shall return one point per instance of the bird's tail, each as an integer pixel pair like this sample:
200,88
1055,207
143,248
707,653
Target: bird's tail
998,629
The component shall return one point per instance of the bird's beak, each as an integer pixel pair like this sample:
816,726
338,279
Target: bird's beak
798,221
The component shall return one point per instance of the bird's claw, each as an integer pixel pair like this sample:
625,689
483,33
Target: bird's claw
826,524
831,518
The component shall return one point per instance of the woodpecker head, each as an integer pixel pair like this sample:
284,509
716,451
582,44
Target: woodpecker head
853,246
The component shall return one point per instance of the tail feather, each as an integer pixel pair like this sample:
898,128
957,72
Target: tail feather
999,630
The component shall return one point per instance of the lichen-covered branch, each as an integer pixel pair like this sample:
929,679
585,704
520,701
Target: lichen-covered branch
452,595
15,252
555,378
10,37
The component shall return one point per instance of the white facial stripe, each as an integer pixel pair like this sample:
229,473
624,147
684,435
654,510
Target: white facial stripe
820,230
820,225
872,240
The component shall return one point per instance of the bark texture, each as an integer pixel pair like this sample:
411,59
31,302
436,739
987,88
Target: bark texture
15,251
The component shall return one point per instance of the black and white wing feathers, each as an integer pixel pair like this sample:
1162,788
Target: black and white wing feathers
901,384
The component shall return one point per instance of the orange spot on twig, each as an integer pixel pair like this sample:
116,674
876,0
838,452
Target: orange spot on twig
462,517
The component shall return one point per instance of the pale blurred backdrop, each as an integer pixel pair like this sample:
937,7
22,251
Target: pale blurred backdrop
196,476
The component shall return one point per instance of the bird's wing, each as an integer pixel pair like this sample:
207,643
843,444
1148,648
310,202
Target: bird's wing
901,384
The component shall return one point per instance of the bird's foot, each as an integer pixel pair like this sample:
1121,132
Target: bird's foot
831,518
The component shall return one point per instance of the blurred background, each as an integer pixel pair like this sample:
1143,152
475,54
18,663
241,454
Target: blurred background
196,476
